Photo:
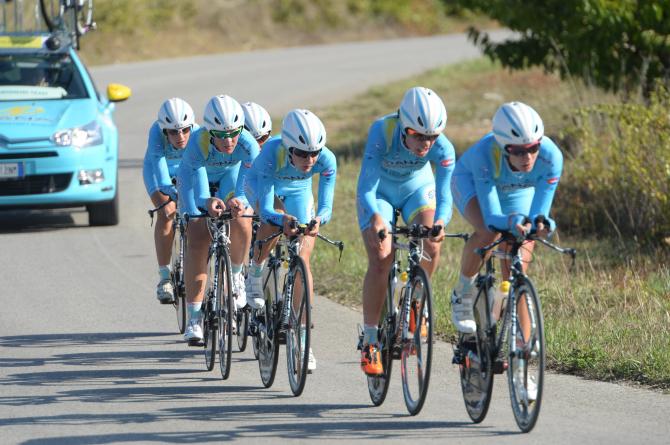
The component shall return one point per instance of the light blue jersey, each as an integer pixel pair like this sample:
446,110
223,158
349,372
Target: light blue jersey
394,177
273,174
484,171
161,162
203,164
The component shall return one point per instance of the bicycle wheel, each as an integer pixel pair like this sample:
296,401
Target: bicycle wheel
225,310
267,338
378,385
178,250
209,313
84,15
475,369
417,349
525,374
298,330
52,13
242,323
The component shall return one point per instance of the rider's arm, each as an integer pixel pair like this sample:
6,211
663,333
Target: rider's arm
156,157
444,159
480,161
194,186
550,167
368,179
265,166
328,172
248,149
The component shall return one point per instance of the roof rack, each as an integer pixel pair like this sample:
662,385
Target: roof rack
49,25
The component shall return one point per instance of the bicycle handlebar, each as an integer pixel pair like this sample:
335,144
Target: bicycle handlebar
420,231
530,236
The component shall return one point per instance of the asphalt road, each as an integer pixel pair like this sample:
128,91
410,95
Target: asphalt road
88,356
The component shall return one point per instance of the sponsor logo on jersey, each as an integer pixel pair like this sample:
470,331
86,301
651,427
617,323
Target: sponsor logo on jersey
446,162
553,180
328,172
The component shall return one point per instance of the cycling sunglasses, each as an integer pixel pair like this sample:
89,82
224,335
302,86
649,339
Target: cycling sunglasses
520,150
173,132
225,134
305,154
265,137
421,137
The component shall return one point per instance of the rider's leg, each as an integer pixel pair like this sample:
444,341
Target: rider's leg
163,238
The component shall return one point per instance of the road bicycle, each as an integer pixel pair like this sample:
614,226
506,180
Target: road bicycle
286,316
218,307
406,325
499,346
74,17
177,272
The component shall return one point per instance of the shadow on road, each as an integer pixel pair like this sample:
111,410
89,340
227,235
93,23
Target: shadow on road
26,221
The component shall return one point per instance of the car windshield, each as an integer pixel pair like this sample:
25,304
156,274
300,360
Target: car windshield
32,77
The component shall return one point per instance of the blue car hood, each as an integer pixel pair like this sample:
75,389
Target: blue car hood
34,120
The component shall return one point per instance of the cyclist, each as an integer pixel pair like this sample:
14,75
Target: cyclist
168,137
280,187
513,173
257,121
396,174
220,153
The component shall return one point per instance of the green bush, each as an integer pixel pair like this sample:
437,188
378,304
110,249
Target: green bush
619,180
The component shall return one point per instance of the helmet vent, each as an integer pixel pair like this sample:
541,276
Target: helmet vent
420,121
185,117
168,120
536,128
216,119
236,118
514,132
320,139
302,139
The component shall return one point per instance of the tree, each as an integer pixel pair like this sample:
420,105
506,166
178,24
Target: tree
618,45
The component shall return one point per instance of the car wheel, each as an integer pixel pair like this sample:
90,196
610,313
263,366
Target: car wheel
104,213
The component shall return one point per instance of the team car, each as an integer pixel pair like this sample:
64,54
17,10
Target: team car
58,141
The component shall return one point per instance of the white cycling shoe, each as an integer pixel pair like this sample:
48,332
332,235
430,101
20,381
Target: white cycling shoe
165,291
311,363
254,288
193,332
461,312
239,290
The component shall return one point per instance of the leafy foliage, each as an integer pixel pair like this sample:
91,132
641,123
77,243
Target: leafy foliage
619,181
619,45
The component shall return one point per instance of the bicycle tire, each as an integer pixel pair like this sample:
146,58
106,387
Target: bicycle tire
179,245
209,314
225,310
51,13
267,333
417,351
476,371
530,359
242,323
378,385
299,323
84,16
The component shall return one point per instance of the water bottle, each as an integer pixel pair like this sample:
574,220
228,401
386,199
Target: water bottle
499,297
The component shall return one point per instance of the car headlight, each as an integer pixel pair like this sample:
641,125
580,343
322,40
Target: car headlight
79,137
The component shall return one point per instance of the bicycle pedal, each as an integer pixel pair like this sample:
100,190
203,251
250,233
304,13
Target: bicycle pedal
195,343
499,366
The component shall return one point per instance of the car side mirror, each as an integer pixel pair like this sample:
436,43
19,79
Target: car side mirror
117,92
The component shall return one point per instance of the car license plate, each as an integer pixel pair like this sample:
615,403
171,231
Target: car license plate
11,170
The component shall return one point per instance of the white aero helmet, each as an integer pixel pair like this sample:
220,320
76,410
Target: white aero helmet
303,130
516,123
423,111
174,114
256,119
223,113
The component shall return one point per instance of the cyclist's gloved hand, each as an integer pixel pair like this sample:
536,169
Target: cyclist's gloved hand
236,206
437,232
518,225
215,206
313,227
544,226
290,225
